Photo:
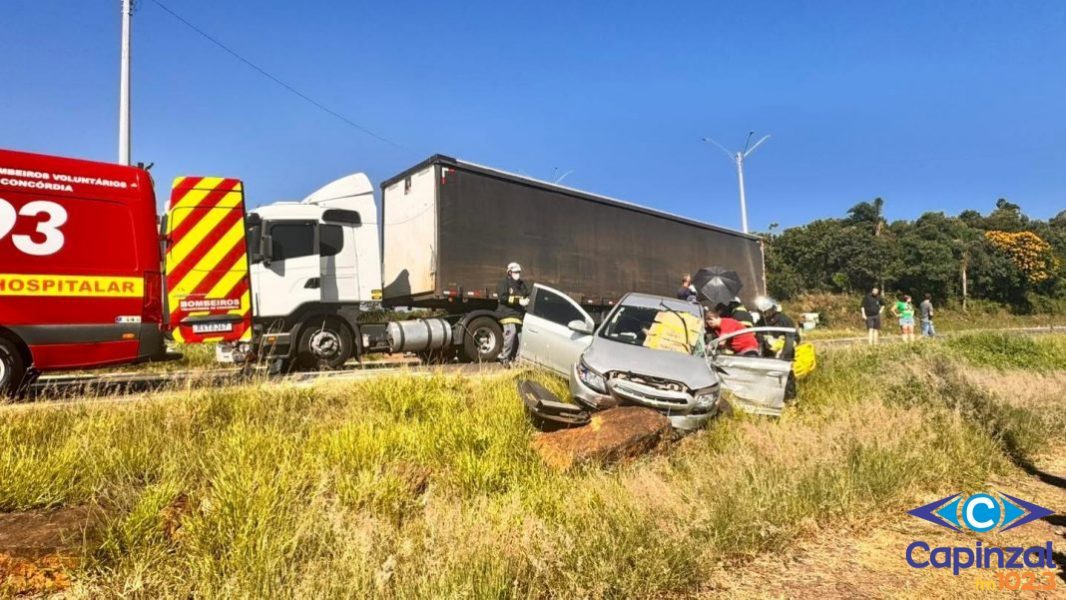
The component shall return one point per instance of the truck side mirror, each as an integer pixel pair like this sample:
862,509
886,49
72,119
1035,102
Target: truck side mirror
265,250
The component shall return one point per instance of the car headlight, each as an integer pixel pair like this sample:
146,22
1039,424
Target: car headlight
591,378
705,398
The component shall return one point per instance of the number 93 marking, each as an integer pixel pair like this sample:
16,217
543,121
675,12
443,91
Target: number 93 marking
49,228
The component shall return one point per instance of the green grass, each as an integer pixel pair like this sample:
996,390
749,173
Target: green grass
414,487
1007,351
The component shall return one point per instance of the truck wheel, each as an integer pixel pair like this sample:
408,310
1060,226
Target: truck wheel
12,369
324,345
483,340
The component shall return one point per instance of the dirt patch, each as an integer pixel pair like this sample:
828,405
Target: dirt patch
43,575
611,436
36,533
172,515
38,549
867,561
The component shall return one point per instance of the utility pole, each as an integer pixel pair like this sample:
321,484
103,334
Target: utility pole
124,86
738,159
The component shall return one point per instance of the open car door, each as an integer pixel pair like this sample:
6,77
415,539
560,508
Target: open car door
757,385
208,296
555,330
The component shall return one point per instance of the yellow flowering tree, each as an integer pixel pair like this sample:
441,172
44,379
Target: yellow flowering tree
1029,252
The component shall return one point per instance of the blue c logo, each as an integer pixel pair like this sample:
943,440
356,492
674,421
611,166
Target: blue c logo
980,512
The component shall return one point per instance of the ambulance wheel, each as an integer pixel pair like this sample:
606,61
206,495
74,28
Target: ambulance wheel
325,345
483,340
12,369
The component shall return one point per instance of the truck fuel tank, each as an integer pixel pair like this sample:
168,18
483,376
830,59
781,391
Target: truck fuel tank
419,335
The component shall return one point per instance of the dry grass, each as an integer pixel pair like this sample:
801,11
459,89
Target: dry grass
402,487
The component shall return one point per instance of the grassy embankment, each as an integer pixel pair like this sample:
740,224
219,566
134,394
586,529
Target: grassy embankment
412,487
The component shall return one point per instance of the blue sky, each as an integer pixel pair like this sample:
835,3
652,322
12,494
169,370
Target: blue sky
931,105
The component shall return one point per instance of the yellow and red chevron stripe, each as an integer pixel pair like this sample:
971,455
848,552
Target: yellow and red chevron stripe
208,290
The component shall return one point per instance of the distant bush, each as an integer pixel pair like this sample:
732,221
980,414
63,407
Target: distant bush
1040,304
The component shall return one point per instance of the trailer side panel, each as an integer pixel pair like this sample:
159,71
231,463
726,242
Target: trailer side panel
594,249
410,235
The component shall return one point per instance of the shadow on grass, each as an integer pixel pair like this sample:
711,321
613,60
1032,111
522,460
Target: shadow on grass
1044,476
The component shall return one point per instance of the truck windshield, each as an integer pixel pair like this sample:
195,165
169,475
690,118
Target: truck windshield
678,330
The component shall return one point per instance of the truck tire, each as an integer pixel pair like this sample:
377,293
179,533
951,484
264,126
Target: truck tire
12,369
483,340
325,344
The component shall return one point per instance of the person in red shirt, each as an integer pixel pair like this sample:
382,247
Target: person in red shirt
744,344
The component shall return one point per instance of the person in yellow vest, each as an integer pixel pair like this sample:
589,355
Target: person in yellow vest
513,296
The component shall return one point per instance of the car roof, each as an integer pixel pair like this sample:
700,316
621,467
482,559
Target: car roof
653,301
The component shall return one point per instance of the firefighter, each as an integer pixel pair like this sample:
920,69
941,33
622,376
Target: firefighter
736,310
513,296
778,345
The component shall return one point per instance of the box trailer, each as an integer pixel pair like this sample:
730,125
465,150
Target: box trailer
451,226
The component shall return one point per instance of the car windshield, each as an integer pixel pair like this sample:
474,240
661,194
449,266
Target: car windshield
667,328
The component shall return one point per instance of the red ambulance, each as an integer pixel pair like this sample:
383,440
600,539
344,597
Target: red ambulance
80,280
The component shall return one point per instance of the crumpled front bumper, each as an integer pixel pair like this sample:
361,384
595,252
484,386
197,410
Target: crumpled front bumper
679,407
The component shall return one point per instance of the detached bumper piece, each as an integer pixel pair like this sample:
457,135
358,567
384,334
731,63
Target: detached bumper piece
546,411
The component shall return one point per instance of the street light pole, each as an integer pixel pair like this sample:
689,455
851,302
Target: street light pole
738,159
124,86
743,201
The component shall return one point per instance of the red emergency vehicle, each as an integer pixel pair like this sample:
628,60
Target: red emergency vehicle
80,280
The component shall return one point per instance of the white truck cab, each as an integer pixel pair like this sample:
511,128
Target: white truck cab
313,263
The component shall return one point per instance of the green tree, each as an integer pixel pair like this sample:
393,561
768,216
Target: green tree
936,253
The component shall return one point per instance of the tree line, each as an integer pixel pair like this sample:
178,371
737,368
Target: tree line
1004,256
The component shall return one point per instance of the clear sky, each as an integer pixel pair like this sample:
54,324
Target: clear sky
939,105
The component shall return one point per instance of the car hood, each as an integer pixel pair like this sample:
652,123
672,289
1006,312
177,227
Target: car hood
606,355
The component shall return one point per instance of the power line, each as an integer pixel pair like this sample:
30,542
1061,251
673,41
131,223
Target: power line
266,74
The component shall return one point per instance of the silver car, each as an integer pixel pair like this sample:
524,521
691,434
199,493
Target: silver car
622,362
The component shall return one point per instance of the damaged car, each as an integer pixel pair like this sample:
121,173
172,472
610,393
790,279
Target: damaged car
649,351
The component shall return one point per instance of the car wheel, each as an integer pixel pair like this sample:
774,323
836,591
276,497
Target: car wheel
483,340
325,345
12,368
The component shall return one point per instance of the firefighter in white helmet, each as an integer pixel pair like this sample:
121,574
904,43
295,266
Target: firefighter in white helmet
513,296
779,345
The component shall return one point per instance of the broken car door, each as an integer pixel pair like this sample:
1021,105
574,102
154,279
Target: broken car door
555,330
756,384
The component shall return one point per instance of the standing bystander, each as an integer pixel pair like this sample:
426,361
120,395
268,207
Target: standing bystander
925,309
904,311
687,291
872,307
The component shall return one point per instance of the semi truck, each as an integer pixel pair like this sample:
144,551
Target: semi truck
447,230
89,276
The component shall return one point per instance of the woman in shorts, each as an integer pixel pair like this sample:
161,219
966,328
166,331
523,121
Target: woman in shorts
904,309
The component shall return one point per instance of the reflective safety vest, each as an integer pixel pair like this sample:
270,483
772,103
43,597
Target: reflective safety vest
509,292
